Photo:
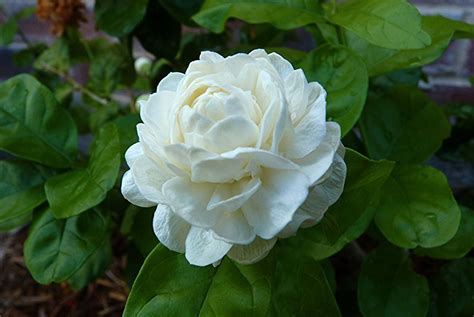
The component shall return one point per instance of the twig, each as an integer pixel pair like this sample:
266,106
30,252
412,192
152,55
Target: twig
76,85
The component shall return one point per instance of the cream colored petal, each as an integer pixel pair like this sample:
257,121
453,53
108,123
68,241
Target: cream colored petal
251,253
131,192
228,197
170,82
272,207
170,229
232,227
133,152
203,249
149,178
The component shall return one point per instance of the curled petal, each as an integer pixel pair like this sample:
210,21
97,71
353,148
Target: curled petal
149,178
202,248
156,112
272,207
131,192
170,229
229,197
132,153
316,163
189,201
232,227
253,252
170,82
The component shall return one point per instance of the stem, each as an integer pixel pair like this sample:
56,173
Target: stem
76,85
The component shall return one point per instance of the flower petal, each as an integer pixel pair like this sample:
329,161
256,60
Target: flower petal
232,227
149,178
316,163
261,158
131,193
254,252
170,229
189,201
156,112
170,82
272,207
133,152
229,197
203,249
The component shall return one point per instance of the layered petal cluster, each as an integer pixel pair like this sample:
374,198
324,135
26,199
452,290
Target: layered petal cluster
235,153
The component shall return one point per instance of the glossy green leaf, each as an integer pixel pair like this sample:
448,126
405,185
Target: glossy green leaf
168,285
388,287
76,191
21,190
394,24
141,231
300,286
7,31
159,33
343,74
110,66
182,10
403,125
127,131
350,216
283,14
417,208
460,244
382,60
119,18
452,290
56,250
32,124
55,57
93,267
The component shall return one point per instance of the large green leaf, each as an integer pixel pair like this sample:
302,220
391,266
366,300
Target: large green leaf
350,216
383,60
159,33
417,208
168,285
141,230
76,191
452,290
126,127
300,286
182,10
389,288
93,267
56,250
343,74
403,125
32,124
460,244
394,24
119,18
7,31
110,66
283,14
21,190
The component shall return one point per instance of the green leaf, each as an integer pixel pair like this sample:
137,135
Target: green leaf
452,290
141,231
182,10
382,60
394,24
127,131
21,191
8,31
283,14
300,287
417,208
165,42
119,18
343,74
110,66
56,250
168,285
56,57
388,286
403,125
32,124
93,267
460,244
351,215
76,191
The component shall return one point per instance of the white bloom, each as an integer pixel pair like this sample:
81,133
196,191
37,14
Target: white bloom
235,153
143,65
